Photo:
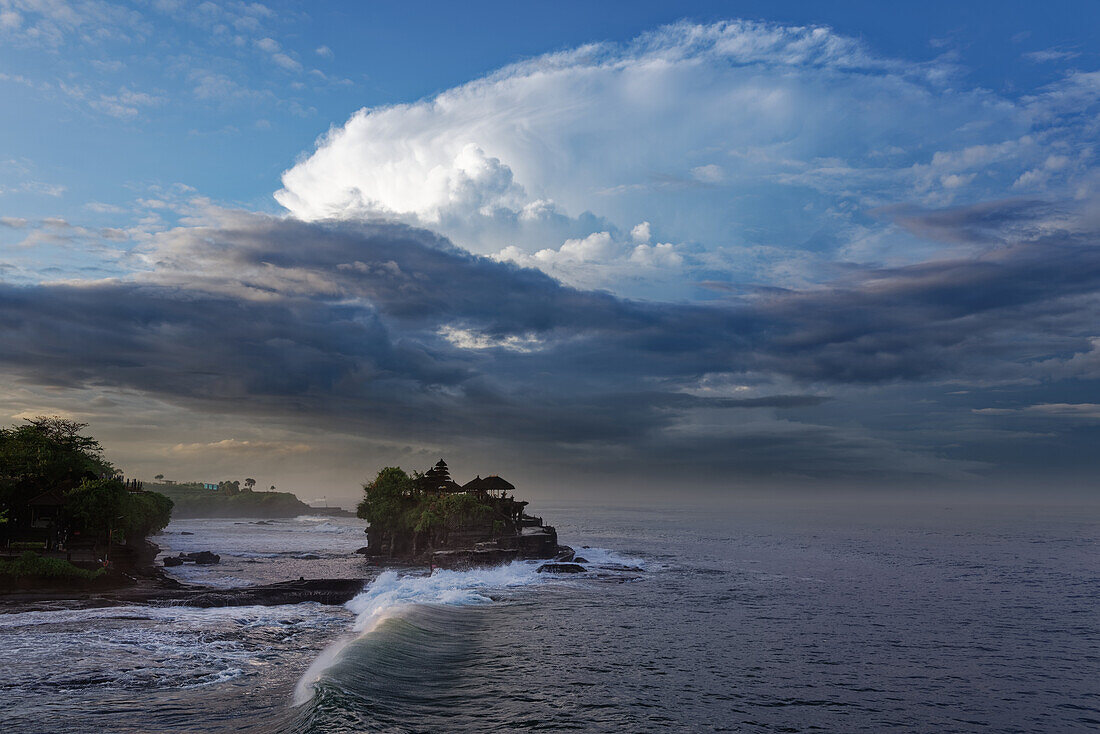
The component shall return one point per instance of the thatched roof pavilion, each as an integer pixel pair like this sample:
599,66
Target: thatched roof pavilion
493,484
474,485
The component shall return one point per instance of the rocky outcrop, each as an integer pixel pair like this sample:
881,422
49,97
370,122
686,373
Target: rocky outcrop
202,558
532,542
460,560
321,591
561,568
162,590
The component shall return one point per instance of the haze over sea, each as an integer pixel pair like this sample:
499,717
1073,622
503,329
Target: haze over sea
774,616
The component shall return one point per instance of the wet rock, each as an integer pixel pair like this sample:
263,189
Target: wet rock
580,559
206,558
323,591
185,532
363,551
171,561
561,568
202,558
466,559
564,555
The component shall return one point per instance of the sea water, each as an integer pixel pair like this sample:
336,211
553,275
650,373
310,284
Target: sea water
756,618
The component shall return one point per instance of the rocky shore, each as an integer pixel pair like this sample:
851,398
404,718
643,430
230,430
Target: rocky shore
161,590
135,578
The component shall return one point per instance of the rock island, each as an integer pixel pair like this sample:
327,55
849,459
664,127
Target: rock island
428,517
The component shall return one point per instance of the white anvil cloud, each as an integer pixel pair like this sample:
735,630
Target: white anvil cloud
760,148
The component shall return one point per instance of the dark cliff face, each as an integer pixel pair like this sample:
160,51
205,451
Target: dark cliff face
528,541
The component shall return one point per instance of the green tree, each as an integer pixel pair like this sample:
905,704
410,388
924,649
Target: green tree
146,513
437,515
393,505
103,510
96,509
249,484
229,488
387,498
45,453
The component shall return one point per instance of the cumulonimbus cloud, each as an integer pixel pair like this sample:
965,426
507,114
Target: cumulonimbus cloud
690,128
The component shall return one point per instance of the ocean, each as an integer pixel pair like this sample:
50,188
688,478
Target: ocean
761,616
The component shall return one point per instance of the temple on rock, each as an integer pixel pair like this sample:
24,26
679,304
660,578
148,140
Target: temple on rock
456,524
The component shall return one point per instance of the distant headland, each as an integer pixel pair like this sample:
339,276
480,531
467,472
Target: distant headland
228,499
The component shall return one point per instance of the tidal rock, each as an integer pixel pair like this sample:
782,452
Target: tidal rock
202,558
580,559
465,559
323,591
184,532
170,561
564,555
561,568
364,550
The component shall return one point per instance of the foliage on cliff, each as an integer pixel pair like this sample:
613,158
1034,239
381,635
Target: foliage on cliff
192,500
46,453
393,504
103,507
31,565
50,453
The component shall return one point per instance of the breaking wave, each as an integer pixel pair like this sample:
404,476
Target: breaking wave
395,597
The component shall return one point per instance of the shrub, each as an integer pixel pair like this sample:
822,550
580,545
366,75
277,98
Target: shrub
31,564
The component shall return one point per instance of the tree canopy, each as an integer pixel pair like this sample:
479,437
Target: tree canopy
101,508
387,499
393,503
46,453
51,453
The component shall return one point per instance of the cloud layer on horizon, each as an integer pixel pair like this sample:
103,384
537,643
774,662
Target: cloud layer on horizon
394,333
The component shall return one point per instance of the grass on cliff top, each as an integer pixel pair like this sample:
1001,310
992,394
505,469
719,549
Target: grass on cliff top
32,564
192,500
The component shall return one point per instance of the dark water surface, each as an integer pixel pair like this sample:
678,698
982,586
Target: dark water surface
840,618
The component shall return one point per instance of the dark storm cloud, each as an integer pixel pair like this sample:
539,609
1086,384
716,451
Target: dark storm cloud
386,329
964,318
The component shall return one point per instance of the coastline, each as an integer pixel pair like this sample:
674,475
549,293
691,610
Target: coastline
162,590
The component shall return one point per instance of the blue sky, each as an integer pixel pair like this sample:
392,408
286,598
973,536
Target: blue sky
382,54
791,242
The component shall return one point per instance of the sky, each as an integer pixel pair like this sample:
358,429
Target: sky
597,248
